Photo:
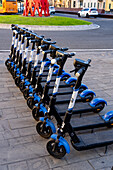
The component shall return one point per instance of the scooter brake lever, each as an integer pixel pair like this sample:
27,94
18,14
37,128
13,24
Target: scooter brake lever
72,71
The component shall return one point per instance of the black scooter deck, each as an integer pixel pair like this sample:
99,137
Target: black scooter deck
94,140
88,122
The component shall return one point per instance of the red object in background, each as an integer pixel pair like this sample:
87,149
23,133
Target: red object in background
30,4
37,4
45,7
25,8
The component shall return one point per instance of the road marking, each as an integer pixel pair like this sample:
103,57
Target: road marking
88,50
81,50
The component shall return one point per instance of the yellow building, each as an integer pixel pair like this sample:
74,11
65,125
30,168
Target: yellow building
109,5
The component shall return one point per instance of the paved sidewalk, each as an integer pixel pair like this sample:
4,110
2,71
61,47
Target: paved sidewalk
54,28
21,148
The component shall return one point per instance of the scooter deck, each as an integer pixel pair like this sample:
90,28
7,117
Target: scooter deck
88,122
94,140
77,108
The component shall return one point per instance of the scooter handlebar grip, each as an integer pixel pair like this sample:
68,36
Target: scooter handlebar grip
42,36
71,54
64,49
48,39
89,61
54,42
13,28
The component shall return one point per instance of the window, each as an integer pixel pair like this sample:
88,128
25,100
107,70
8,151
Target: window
94,4
104,5
91,4
88,4
0,3
109,6
98,5
84,5
74,4
81,3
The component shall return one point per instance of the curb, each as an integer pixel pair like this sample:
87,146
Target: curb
54,28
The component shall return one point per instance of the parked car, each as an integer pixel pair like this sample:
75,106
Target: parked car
87,12
51,10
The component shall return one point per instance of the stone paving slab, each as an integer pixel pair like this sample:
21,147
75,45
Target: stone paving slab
21,148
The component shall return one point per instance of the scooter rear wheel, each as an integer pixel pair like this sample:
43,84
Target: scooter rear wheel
55,150
101,107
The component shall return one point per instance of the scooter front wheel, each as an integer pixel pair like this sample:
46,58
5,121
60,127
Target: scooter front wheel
43,130
36,114
6,62
26,93
17,81
55,150
89,97
30,102
21,86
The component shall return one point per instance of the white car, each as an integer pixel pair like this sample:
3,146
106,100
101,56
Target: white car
51,10
87,12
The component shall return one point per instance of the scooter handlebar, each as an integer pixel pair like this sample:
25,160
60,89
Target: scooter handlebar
46,52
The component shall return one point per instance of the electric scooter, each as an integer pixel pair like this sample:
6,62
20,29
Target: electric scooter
58,146
11,58
13,28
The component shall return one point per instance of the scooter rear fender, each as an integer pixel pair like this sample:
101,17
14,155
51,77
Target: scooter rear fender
108,116
96,101
70,80
87,92
56,71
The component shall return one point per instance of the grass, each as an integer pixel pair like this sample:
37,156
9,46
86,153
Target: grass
53,20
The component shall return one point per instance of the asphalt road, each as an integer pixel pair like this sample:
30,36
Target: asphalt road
101,38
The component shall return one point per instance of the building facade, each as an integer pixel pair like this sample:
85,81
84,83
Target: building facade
107,5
